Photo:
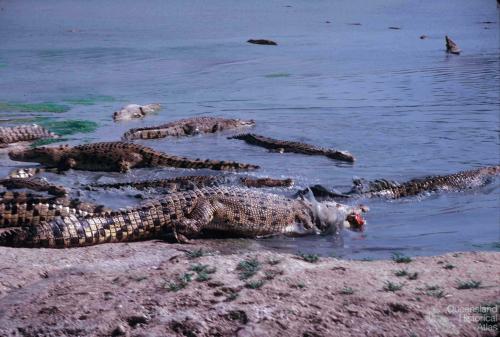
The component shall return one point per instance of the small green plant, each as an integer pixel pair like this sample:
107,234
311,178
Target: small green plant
311,258
180,283
449,266
401,258
401,272
347,291
203,277
412,276
194,254
202,271
271,274
434,291
232,296
248,268
198,268
254,284
470,284
390,286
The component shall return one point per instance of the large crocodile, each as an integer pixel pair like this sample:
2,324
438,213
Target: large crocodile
237,211
297,147
187,127
133,111
115,157
393,190
23,133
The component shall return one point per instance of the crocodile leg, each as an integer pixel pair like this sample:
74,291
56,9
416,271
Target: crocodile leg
201,215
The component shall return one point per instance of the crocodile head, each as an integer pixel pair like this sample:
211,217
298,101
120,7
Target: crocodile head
48,156
331,216
132,111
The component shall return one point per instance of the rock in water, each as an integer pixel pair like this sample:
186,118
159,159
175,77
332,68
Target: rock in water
451,46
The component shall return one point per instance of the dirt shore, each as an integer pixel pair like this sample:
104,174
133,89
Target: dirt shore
159,289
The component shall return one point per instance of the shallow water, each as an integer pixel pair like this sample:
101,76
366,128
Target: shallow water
400,104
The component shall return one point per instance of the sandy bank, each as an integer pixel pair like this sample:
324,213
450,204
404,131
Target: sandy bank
157,289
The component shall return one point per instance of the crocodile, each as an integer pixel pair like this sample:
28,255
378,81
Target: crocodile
266,182
115,157
35,184
23,133
451,46
187,127
297,147
133,111
189,182
263,42
236,211
171,184
393,190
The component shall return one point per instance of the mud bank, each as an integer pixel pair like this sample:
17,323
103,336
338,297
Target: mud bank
161,289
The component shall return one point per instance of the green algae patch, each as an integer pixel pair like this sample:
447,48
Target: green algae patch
277,75
63,128
90,100
69,127
34,107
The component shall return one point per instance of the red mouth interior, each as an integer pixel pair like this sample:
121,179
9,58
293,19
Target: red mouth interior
356,220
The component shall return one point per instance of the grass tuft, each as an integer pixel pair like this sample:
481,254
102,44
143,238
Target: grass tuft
401,272
470,284
401,258
390,286
347,291
311,258
254,284
248,268
434,291
180,283
413,276
194,254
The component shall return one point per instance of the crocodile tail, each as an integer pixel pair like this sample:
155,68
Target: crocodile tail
154,158
132,134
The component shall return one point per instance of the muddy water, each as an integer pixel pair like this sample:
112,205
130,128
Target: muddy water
399,103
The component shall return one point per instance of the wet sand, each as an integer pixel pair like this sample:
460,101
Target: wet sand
151,289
